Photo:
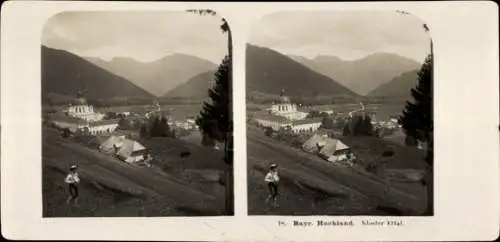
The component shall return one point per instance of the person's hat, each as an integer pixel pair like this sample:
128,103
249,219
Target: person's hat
273,166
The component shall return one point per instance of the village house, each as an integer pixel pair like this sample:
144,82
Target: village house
330,149
127,150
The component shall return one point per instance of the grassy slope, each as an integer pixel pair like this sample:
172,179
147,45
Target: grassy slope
112,188
312,186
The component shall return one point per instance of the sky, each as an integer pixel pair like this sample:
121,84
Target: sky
144,36
348,35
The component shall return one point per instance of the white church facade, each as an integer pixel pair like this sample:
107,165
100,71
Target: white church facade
285,108
285,114
82,118
83,111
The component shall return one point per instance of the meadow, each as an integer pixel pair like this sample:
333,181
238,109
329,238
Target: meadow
174,186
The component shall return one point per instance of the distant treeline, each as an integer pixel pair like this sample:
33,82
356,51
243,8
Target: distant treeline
178,100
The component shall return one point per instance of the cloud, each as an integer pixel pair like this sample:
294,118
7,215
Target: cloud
141,35
346,34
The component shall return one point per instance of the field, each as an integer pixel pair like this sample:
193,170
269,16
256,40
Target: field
311,186
174,186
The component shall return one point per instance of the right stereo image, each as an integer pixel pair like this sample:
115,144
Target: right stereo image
339,111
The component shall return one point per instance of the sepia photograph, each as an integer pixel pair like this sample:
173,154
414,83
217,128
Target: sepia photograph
136,114
364,121
340,114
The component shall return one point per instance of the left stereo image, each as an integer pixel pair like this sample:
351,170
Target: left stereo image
137,114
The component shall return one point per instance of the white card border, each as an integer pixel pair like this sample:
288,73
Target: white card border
465,38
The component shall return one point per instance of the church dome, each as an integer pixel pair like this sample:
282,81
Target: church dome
284,99
80,101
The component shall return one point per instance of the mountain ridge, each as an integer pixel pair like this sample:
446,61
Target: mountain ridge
269,71
197,87
364,74
157,76
398,87
65,73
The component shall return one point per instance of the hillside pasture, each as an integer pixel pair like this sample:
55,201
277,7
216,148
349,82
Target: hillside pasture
313,186
172,187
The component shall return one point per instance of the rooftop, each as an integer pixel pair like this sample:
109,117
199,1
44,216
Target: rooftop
67,119
73,120
307,121
104,122
270,117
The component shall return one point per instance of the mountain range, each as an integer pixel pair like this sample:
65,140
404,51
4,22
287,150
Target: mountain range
160,76
64,73
195,88
363,75
268,71
398,87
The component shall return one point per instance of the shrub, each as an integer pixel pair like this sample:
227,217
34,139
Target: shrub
327,123
296,142
346,130
185,153
207,141
410,141
65,133
268,131
359,125
388,153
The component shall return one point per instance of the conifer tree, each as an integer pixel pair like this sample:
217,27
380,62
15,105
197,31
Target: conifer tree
215,121
144,131
367,126
164,127
417,121
155,127
215,118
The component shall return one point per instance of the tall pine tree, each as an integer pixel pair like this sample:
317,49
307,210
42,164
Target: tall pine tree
417,121
215,118
164,127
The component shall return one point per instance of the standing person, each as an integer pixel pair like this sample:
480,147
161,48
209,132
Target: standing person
148,160
72,180
272,179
